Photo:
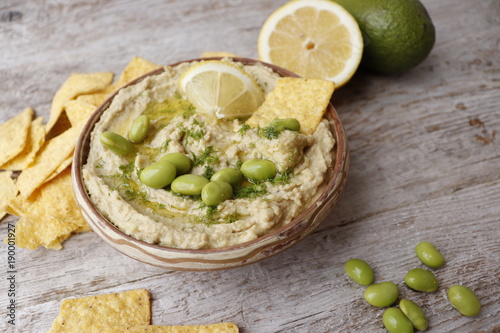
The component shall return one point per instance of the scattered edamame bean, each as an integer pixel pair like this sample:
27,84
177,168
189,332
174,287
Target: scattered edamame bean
139,129
414,313
421,280
116,143
182,162
429,255
158,174
215,192
231,175
396,322
359,271
188,184
464,300
258,170
382,294
291,124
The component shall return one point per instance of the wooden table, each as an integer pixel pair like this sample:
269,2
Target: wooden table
425,165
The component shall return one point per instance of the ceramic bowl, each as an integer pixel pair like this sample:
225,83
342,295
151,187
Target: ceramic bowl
215,258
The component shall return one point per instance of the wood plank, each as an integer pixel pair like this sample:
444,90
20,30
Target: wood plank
425,165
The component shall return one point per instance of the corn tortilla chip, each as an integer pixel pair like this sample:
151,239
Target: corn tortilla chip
77,84
64,164
8,191
135,68
209,54
78,111
303,99
95,99
211,328
36,138
49,216
53,153
54,198
46,231
14,135
90,314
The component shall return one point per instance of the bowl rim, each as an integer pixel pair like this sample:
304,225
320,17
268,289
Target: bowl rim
82,150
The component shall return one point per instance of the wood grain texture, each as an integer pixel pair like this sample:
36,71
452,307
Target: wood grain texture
425,165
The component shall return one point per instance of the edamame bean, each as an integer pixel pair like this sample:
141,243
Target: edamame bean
291,124
158,174
139,129
414,313
258,170
188,184
231,175
359,271
429,255
421,280
396,322
215,192
182,162
116,143
382,294
464,300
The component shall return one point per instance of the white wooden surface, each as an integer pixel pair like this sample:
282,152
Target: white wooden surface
425,165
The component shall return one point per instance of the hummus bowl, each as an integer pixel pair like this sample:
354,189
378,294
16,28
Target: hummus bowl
200,259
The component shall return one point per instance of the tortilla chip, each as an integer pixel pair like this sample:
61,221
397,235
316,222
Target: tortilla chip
53,153
77,84
49,216
46,231
14,135
36,138
212,328
8,191
90,314
303,99
78,111
208,54
135,68
95,99
64,164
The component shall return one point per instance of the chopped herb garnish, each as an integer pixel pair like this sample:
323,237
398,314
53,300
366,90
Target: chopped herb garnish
125,185
269,132
243,129
164,145
99,164
208,218
250,191
211,211
127,168
282,178
188,112
233,217
208,156
194,134
208,172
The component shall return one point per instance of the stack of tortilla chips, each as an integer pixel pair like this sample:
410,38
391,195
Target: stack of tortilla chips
40,155
123,312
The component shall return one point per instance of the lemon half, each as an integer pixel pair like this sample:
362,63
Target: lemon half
316,39
222,88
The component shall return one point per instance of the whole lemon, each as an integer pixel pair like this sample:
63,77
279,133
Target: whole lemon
398,34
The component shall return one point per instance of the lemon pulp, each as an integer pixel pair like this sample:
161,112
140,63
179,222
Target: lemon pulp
316,39
222,88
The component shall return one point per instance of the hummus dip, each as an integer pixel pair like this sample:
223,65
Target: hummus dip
159,216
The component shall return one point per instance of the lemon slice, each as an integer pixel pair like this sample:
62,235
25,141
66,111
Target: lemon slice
221,88
316,39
